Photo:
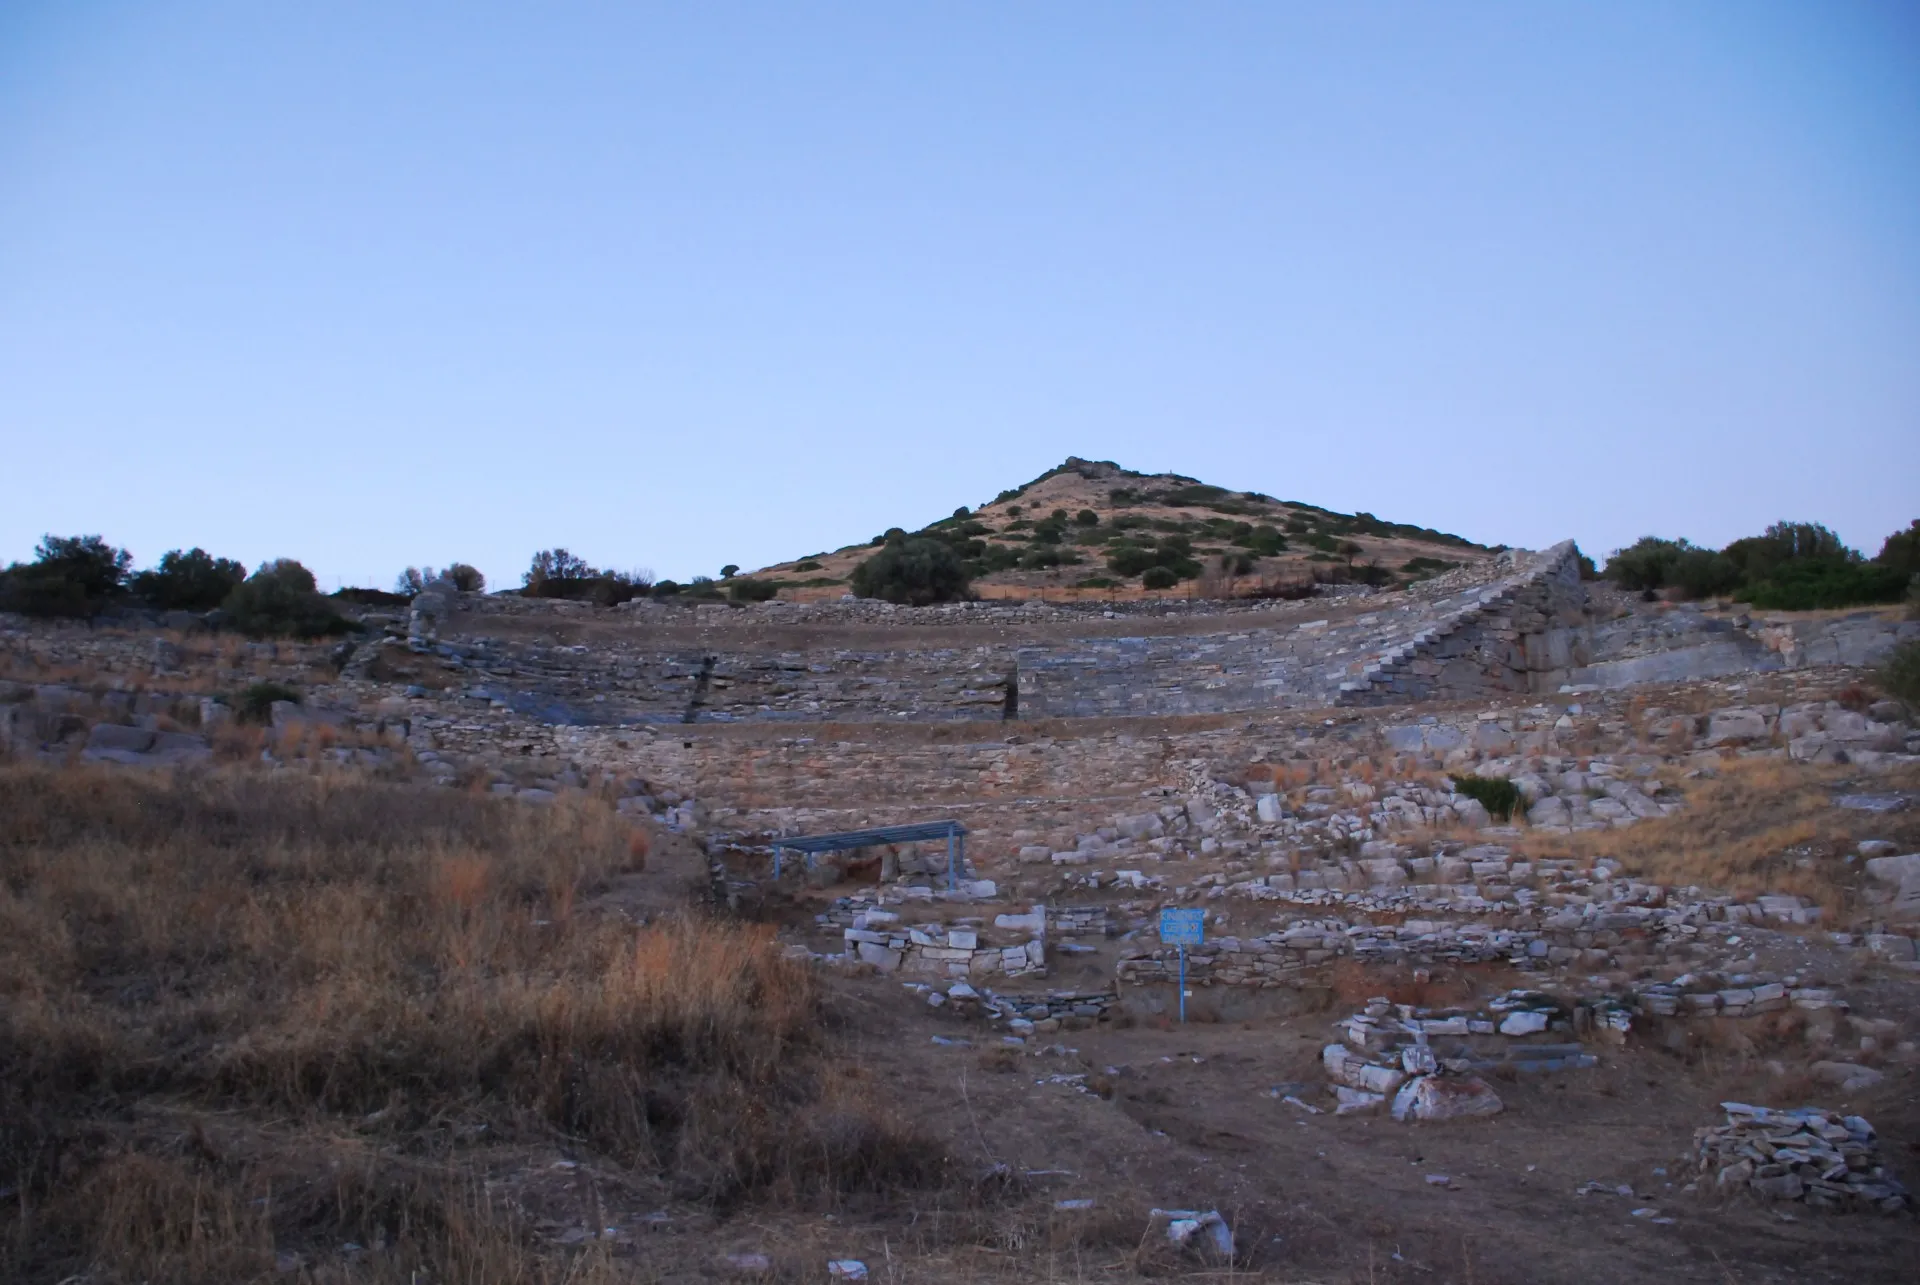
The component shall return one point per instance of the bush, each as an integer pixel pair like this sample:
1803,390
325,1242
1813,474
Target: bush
193,580
1702,573
1087,517
1901,551
280,598
1496,794
917,572
255,705
1812,586
370,597
1158,578
1760,557
467,579
1645,565
1265,541
556,573
77,576
752,590
1901,675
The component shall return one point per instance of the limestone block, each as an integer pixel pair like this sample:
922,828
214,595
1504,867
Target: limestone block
879,956
1523,1022
112,736
1446,1097
1035,921
1737,726
1550,810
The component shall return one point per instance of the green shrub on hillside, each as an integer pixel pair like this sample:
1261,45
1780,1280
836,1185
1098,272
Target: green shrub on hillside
1812,586
1499,796
465,578
77,576
918,572
280,598
556,573
1791,566
190,580
1901,551
752,590
1901,674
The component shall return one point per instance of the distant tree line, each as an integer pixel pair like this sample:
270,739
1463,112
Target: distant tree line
83,577
1791,566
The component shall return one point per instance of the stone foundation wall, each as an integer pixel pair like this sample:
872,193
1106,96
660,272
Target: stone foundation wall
1683,642
1522,631
1525,634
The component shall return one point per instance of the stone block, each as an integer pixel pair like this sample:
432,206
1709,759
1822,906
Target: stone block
879,956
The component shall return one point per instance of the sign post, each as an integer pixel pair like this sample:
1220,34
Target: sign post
1183,928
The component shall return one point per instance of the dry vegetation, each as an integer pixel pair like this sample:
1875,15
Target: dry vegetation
248,1020
1759,825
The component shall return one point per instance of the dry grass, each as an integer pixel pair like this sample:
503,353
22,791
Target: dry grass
1761,825
329,963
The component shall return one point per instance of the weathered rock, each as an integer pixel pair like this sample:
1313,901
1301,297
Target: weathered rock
1446,1097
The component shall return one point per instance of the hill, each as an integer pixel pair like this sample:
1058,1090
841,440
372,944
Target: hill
1090,528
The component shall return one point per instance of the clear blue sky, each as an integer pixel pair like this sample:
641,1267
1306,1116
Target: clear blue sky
678,285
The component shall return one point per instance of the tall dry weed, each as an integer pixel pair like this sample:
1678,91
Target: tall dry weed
330,952
1759,825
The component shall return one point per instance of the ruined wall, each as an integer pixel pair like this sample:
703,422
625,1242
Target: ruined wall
1524,634
1520,633
1683,642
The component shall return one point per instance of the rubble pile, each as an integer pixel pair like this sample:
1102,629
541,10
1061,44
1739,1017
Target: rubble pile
1426,1060
878,937
1816,1157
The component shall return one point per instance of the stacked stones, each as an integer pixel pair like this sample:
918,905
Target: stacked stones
1056,1010
1079,921
878,937
1817,1157
1388,1050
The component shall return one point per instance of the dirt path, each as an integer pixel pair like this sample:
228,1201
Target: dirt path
1184,1117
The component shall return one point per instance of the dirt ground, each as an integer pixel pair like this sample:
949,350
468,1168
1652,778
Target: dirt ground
1191,1116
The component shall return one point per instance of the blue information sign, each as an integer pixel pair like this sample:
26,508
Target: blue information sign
1183,927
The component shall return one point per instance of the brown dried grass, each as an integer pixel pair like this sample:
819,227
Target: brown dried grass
1761,825
318,953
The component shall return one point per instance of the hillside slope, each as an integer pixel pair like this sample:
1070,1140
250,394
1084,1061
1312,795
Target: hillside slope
1092,529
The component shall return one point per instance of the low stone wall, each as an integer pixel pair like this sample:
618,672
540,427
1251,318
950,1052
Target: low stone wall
878,937
1684,642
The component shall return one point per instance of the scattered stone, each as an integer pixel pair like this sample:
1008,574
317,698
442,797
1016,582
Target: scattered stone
1872,802
1193,1229
1848,1077
1446,1097
1816,1157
